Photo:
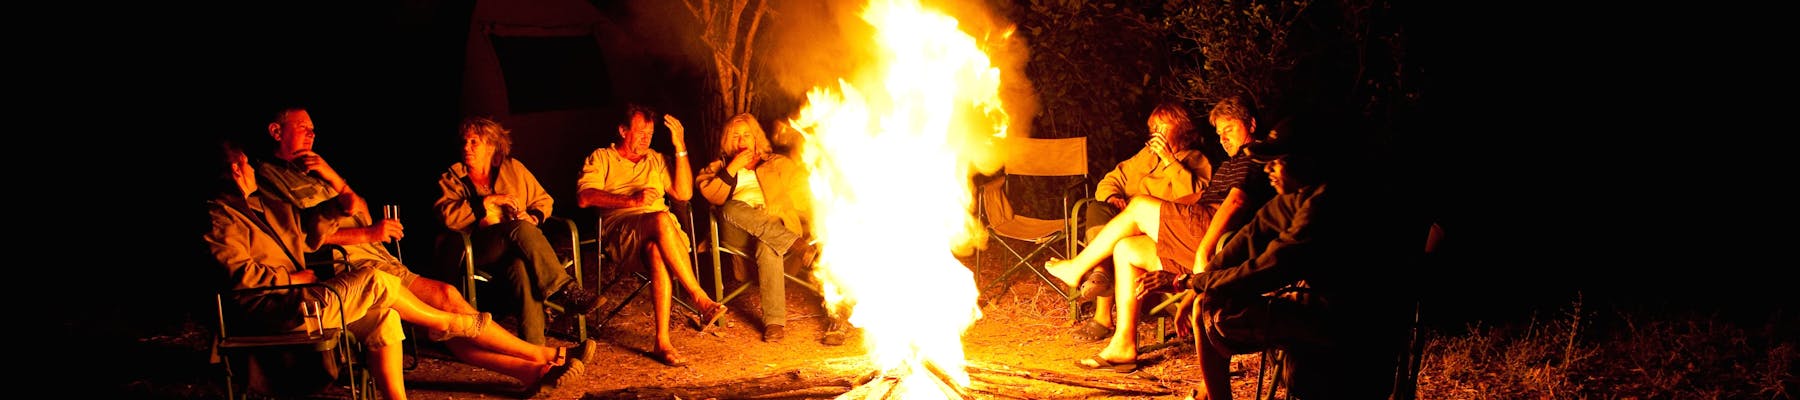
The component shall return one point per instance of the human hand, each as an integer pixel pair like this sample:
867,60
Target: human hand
741,160
313,163
1160,282
1159,145
677,133
386,230
648,196
304,275
1118,201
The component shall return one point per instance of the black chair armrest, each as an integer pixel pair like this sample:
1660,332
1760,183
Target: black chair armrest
219,300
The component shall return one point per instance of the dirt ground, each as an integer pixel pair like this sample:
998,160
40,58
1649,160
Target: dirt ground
1026,327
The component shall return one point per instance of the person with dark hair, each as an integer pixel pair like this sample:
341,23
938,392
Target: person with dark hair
499,203
1331,238
765,195
626,182
1169,168
257,239
1152,234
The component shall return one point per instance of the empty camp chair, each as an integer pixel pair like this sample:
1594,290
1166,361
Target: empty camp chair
1060,166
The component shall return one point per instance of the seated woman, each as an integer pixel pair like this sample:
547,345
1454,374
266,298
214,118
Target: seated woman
764,194
499,203
256,240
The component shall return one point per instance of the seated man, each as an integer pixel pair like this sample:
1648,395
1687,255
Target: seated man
1328,237
765,195
257,240
1152,234
299,176
626,182
1169,168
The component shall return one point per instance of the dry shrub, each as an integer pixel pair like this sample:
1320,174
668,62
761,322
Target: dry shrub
1641,355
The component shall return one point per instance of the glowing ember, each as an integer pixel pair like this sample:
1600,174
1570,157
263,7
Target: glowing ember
892,162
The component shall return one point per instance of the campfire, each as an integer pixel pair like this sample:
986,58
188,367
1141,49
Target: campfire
893,151
892,158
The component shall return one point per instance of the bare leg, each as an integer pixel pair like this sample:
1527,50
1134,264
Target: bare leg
1215,370
674,248
441,295
1139,218
662,290
526,371
1132,253
491,337
523,363
388,371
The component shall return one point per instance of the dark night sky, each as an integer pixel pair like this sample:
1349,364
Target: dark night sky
1562,174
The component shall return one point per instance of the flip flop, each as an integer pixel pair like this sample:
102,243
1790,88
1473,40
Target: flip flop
1097,363
710,318
1091,331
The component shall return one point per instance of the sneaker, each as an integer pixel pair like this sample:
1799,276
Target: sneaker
576,299
774,333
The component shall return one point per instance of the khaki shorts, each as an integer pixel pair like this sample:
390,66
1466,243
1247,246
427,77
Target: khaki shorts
626,237
1180,228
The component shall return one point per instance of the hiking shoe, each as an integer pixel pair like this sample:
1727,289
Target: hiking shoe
576,299
774,333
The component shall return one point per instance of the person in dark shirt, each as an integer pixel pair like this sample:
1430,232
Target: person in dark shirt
1330,237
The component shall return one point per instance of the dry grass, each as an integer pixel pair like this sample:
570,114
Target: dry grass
1636,356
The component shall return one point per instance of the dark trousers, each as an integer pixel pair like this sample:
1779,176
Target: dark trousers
520,259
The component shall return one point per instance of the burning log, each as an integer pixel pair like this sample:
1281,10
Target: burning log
1115,384
833,379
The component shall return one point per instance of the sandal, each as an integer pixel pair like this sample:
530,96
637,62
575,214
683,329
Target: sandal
1092,332
1097,362
1098,282
711,316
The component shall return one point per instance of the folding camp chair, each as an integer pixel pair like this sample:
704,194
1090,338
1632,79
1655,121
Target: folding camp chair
287,363
684,213
471,277
1061,161
724,240
1407,354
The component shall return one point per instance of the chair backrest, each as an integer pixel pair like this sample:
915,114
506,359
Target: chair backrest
1034,157
1045,157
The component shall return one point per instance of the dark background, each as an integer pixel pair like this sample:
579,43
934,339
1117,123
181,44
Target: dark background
1567,161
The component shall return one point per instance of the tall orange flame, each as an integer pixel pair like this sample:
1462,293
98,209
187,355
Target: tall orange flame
891,181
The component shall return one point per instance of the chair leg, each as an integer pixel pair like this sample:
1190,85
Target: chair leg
622,302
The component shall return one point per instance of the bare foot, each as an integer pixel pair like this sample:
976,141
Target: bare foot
1064,270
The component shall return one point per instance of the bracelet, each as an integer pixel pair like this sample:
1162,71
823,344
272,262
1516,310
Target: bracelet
681,154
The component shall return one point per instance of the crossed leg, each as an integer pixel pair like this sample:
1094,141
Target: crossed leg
1140,218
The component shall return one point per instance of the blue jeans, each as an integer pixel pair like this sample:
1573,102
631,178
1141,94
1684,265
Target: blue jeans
772,243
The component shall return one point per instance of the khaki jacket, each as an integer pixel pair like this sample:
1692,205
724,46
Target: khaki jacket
784,185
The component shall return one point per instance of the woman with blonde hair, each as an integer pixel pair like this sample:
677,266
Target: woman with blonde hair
766,195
